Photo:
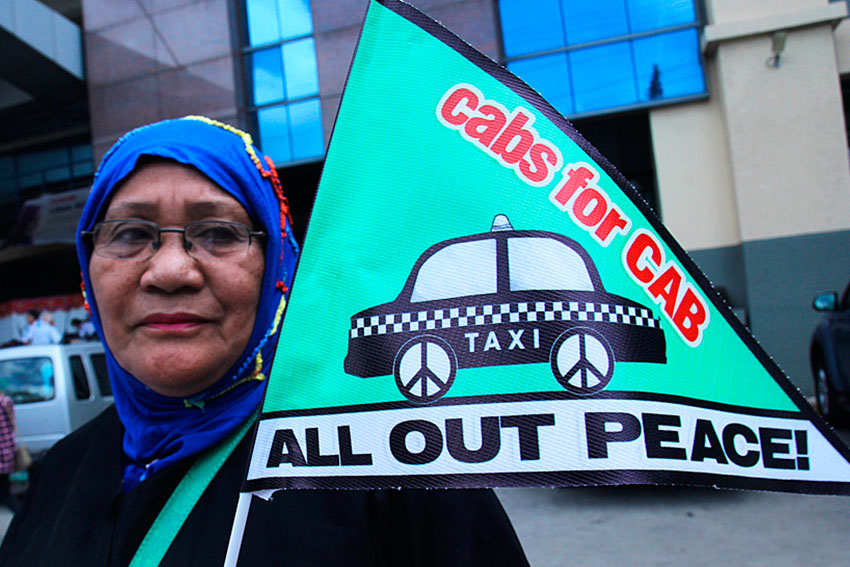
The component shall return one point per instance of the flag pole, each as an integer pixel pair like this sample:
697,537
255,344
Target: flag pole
238,529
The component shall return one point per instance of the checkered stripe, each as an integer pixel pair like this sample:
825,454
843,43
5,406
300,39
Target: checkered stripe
539,311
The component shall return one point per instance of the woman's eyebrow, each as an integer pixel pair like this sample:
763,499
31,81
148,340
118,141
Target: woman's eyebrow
131,208
213,207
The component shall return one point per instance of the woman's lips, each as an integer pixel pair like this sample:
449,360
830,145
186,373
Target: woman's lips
174,322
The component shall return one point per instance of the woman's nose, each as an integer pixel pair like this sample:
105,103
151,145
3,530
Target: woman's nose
171,268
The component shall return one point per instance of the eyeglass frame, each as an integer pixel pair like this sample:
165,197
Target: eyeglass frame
157,243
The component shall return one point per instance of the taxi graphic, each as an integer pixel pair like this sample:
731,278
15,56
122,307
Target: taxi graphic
502,297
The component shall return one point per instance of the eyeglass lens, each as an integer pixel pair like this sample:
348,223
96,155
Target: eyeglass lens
132,239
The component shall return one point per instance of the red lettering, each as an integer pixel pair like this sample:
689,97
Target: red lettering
612,220
666,287
484,129
577,178
642,244
449,110
690,315
590,207
537,171
514,133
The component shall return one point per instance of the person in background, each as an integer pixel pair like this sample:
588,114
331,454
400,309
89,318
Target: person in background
39,332
186,251
7,451
82,331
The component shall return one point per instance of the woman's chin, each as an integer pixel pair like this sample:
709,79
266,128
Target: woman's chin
178,376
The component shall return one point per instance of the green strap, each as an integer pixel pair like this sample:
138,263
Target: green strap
183,499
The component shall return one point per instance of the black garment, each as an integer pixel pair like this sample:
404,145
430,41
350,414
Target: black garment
75,514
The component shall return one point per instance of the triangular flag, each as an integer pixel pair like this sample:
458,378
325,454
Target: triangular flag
483,300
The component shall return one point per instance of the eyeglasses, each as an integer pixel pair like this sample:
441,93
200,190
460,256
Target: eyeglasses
131,239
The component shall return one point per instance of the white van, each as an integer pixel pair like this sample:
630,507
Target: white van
56,389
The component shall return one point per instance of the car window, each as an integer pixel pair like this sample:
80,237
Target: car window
458,270
98,361
81,382
27,380
539,263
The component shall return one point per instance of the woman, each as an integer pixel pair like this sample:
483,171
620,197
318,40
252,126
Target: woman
186,253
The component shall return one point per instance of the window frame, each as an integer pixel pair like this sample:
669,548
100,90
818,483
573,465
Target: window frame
250,108
698,24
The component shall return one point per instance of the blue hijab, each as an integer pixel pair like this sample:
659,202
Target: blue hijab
160,430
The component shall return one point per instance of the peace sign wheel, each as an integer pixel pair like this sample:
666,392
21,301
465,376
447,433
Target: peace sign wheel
425,368
582,361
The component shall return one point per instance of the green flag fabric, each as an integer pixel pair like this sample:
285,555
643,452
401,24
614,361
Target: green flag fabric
483,300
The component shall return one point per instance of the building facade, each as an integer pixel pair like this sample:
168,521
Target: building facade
730,118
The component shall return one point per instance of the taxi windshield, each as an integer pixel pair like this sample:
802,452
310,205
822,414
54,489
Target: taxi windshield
539,263
458,270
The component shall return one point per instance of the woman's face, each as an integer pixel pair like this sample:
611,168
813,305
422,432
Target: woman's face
174,322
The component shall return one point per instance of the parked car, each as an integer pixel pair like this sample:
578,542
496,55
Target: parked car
830,356
502,297
56,389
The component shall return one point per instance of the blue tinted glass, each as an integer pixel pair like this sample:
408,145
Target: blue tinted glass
274,133
307,138
602,77
83,168
38,161
8,188
299,64
676,58
295,18
57,174
549,76
262,22
591,21
647,15
528,29
7,167
267,75
81,152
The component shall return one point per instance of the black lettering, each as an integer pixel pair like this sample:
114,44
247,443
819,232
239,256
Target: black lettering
770,448
707,444
285,449
433,442
314,455
748,459
346,455
598,436
654,436
490,441
529,440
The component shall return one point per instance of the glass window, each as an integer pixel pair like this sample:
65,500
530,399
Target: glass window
458,270
586,57
27,380
528,31
603,77
299,64
275,132
550,76
81,382
101,374
592,21
646,15
284,78
267,75
536,263
306,123
270,21
668,65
